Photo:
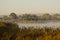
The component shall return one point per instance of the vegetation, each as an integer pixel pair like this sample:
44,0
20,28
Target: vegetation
11,31
29,17
45,16
8,31
13,17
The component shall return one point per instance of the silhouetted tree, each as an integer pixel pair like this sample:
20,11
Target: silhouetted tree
13,16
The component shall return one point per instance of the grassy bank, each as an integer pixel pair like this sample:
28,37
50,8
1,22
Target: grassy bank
11,31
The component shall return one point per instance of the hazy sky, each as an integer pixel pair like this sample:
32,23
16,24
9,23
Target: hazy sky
29,6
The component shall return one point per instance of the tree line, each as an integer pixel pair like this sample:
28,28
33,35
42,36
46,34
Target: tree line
45,16
32,17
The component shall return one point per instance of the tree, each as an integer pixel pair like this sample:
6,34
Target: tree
46,16
13,16
56,16
30,17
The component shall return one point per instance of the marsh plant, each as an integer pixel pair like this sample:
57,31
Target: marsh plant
11,31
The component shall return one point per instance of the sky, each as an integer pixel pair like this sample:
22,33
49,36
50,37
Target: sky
29,6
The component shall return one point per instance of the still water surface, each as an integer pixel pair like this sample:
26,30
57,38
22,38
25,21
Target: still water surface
54,24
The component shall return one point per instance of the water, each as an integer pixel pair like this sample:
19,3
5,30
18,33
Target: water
54,24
